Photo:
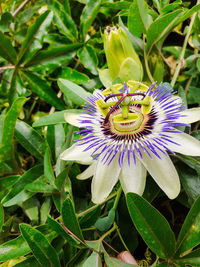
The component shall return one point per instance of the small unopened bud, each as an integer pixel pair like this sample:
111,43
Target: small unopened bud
122,60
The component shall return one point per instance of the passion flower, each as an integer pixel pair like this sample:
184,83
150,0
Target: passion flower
127,130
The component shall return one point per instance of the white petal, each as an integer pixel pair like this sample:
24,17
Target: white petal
73,119
89,172
133,177
104,180
190,115
188,145
76,153
163,172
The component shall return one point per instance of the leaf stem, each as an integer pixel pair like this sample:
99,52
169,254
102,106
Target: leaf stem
121,238
6,68
181,58
108,232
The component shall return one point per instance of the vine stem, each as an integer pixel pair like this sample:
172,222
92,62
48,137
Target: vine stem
176,73
95,206
19,8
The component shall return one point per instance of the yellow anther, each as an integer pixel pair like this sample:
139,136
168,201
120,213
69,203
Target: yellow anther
101,105
114,89
137,86
147,105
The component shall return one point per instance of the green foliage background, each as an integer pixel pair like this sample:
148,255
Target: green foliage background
50,55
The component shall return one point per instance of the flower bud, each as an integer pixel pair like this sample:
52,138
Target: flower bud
122,60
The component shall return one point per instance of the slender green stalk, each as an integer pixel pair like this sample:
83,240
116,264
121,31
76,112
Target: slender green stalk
176,73
95,206
147,65
121,238
108,232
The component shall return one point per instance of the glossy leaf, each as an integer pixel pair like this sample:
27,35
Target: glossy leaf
63,20
7,182
41,248
17,193
43,90
73,91
147,221
29,262
165,23
193,259
14,248
88,15
48,170
161,26
58,228
53,57
93,260
34,38
7,51
13,87
9,127
1,217
45,209
189,236
70,219
138,18
55,118
30,139
41,185
88,58
190,182
30,207
74,76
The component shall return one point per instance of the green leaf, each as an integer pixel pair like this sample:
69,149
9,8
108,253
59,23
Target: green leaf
13,87
52,58
93,260
30,207
74,76
148,220
45,209
190,182
18,247
161,26
29,262
17,193
43,90
40,246
13,249
192,259
88,58
63,20
34,38
189,236
48,170
70,219
1,217
6,145
57,227
138,18
6,49
55,118
7,182
30,139
73,91
88,15
41,185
